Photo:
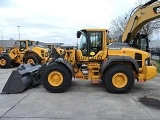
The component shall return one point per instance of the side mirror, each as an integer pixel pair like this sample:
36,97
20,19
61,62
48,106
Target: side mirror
79,34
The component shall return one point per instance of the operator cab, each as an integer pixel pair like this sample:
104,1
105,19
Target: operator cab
90,42
24,44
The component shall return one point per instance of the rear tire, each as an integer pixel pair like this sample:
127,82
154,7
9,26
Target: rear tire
31,59
4,62
56,78
118,79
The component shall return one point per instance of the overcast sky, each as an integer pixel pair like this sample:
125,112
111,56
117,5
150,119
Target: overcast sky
57,20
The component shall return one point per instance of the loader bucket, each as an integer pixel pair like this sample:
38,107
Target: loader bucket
24,77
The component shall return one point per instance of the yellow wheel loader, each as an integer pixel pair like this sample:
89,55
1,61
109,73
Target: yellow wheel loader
116,65
24,52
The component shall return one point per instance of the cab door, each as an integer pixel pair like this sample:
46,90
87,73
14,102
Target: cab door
95,43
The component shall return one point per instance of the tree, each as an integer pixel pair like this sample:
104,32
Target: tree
118,26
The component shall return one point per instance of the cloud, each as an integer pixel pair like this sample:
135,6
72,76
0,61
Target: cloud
57,20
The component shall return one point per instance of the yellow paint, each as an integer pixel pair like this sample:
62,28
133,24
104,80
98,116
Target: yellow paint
55,78
119,80
148,72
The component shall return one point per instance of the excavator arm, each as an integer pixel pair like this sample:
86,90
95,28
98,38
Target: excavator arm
142,15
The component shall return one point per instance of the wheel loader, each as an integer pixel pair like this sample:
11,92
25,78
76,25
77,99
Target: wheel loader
116,65
23,52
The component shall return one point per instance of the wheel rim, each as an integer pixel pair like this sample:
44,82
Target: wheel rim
119,80
2,62
55,78
30,61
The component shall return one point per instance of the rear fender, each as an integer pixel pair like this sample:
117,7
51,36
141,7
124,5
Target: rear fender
111,59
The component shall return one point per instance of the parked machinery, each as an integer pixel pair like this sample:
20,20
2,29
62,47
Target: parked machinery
23,52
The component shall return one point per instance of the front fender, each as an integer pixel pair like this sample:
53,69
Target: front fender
67,64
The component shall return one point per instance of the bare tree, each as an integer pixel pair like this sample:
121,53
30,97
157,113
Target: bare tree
118,26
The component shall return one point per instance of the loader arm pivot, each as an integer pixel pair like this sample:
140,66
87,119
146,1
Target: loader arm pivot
142,15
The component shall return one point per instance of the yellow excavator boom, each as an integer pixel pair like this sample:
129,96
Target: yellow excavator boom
142,15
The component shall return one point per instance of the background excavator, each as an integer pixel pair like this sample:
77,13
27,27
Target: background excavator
117,65
140,16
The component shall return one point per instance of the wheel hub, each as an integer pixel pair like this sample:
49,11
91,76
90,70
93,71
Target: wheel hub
30,61
55,78
119,80
2,62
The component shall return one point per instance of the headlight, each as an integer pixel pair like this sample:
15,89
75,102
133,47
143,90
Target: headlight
147,62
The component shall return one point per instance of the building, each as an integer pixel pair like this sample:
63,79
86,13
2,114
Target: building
7,43
71,46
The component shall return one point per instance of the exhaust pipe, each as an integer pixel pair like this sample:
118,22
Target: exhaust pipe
26,75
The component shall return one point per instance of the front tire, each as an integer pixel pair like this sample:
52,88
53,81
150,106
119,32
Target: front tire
118,79
56,78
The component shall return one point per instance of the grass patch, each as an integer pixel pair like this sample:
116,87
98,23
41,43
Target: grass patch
158,62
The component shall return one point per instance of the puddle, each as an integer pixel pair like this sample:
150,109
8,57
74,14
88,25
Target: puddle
150,102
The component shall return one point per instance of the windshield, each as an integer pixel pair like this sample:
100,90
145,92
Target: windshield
143,44
82,43
140,43
22,45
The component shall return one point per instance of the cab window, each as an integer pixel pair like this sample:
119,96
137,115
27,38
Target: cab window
95,41
22,45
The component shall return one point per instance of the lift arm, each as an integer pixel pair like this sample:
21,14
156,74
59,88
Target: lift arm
142,15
